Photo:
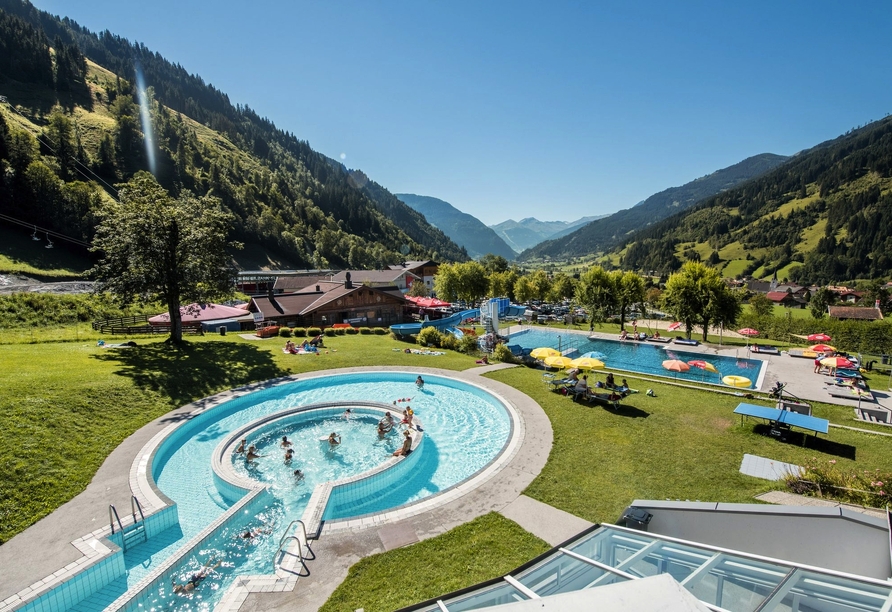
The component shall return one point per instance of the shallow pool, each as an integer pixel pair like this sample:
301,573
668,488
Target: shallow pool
643,357
465,428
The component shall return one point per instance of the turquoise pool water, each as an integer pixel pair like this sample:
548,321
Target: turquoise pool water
643,357
465,428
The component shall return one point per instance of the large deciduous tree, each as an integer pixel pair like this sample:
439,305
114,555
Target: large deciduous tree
628,290
596,292
696,295
158,248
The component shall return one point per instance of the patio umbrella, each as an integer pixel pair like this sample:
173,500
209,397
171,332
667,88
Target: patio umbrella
674,326
703,365
587,363
837,362
823,348
558,361
544,351
748,331
676,365
595,355
819,338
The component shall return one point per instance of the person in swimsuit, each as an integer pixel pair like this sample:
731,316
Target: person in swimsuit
333,440
289,455
285,443
298,476
385,424
195,579
419,382
242,447
407,446
252,454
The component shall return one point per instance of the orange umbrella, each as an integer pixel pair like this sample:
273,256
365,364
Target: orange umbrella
676,365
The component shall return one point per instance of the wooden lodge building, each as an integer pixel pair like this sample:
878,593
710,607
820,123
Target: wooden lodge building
325,303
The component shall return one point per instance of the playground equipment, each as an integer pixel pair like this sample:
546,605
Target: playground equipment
489,314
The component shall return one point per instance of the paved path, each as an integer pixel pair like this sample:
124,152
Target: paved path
547,522
782,498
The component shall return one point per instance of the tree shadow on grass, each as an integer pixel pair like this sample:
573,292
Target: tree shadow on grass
821,445
191,371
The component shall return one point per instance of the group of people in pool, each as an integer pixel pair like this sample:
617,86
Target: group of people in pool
251,453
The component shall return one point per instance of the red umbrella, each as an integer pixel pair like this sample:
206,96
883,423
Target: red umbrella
819,338
837,362
823,348
703,365
748,331
674,326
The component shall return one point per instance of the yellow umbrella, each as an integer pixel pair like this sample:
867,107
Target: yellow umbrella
558,361
544,351
587,363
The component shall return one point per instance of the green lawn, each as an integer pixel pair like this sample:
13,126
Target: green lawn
484,548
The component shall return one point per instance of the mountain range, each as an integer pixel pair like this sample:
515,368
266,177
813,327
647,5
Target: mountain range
604,233
527,233
465,230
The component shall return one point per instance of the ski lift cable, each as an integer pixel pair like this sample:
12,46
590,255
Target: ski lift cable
43,230
39,138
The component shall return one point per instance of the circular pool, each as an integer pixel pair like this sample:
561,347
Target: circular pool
464,427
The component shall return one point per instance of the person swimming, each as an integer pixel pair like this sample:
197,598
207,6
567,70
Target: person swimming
195,579
419,382
252,454
386,424
242,447
289,455
285,443
298,476
334,439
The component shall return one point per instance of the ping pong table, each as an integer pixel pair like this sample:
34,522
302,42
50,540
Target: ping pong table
783,418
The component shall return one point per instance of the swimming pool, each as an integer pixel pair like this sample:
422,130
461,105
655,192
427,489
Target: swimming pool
643,357
465,428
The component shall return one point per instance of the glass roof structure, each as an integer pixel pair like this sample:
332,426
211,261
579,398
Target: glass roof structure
724,580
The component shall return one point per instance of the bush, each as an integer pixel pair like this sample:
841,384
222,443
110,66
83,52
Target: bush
365,331
299,332
824,479
429,336
330,332
313,331
340,331
468,344
380,331
503,353
448,341
284,332
352,331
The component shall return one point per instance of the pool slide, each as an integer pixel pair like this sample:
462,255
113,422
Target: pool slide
442,325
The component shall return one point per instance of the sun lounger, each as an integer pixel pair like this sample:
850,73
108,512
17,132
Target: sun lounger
852,393
685,341
661,340
607,398
804,353
771,350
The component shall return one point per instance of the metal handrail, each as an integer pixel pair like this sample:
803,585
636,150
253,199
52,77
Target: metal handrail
300,545
113,516
134,507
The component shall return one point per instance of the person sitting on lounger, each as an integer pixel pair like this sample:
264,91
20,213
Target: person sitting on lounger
581,385
656,335
609,382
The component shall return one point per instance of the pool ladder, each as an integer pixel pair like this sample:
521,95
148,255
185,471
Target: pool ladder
135,533
301,544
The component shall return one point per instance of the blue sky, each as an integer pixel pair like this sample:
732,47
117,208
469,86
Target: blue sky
515,109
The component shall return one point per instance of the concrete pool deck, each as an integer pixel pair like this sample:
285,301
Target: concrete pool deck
87,513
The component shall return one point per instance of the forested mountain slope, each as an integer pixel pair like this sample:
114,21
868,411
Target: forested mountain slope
73,91
824,216
602,234
464,229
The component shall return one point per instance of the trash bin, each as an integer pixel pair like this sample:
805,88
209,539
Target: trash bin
885,359
637,518
222,330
